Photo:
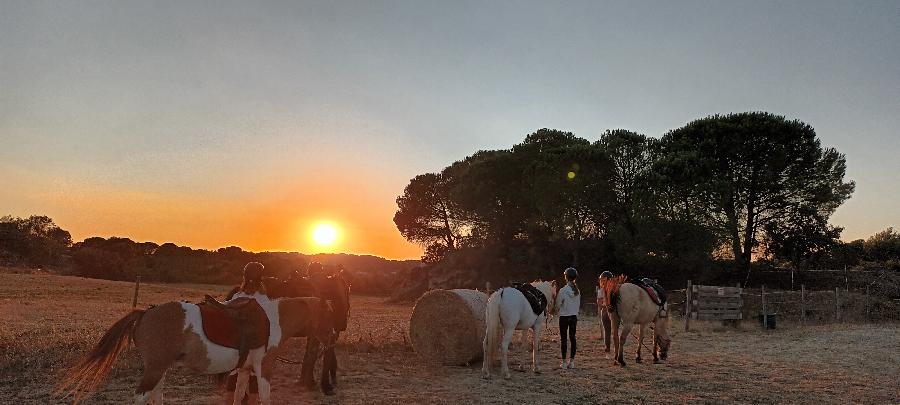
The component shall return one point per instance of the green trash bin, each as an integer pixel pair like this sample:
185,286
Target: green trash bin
768,321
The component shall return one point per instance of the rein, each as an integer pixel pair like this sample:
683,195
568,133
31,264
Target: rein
324,349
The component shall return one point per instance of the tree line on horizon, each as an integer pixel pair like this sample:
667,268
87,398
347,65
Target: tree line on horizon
37,241
720,195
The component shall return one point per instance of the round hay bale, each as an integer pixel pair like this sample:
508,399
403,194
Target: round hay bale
447,326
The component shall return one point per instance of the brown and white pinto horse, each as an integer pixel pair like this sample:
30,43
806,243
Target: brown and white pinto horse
629,304
173,333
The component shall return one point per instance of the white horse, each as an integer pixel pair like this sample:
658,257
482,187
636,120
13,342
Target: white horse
507,311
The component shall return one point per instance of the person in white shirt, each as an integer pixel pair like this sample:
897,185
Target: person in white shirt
602,310
568,300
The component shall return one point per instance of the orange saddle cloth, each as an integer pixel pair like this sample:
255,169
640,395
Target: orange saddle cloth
221,328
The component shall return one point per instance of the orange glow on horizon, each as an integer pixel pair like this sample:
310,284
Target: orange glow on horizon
275,219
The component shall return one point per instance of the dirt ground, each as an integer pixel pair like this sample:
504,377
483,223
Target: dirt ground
48,321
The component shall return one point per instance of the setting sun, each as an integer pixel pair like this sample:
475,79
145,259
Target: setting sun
324,234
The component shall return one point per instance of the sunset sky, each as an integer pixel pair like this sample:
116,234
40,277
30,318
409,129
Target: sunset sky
219,123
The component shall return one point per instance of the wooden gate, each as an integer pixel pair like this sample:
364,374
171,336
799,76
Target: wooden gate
713,303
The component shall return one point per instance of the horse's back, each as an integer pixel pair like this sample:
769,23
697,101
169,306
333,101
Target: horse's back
514,307
635,305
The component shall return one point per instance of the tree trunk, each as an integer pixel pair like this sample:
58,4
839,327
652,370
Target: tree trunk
733,232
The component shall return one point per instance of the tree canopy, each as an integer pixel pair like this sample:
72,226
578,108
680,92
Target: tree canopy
733,187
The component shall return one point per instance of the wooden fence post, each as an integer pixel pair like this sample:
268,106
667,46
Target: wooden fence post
867,303
137,286
765,313
837,305
847,277
802,304
687,307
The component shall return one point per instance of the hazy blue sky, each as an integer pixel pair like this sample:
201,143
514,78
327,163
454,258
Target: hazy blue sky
211,123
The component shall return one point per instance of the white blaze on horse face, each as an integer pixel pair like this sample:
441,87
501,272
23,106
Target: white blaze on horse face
221,359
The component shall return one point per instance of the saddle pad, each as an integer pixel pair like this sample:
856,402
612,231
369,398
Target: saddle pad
656,293
535,297
223,330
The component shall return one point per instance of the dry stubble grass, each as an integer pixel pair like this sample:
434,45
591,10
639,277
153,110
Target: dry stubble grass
50,320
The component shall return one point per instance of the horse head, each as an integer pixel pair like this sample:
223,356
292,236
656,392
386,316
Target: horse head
660,333
662,346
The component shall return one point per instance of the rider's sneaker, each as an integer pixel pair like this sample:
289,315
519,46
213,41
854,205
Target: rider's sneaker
572,364
564,365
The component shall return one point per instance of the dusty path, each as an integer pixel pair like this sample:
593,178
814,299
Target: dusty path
49,320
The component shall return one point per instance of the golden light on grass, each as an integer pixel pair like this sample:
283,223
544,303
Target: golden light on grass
325,234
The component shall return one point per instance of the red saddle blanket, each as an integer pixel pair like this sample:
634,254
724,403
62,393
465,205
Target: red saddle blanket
652,293
222,329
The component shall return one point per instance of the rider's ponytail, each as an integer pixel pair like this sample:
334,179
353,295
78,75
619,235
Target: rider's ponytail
570,275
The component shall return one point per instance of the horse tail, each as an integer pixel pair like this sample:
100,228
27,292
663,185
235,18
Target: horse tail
494,325
84,378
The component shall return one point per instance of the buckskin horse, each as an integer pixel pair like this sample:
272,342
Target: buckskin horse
509,310
332,287
174,333
631,304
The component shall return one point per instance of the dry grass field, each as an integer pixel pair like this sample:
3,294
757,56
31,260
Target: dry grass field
48,321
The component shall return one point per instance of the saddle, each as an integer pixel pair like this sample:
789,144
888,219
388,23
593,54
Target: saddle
656,293
535,297
239,324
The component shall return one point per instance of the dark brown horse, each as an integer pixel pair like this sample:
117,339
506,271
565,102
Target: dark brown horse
333,288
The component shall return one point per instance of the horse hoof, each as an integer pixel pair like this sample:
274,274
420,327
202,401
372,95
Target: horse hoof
506,376
637,360
328,392
655,361
536,371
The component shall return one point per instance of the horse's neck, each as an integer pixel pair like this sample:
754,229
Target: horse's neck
544,288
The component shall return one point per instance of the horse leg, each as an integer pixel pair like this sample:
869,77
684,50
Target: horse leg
504,351
307,369
535,350
486,357
523,340
332,356
241,386
641,330
263,373
150,386
327,366
620,342
655,348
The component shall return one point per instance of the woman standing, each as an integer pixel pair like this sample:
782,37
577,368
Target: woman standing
602,309
568,300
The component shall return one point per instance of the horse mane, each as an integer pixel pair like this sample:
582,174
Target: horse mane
611,287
